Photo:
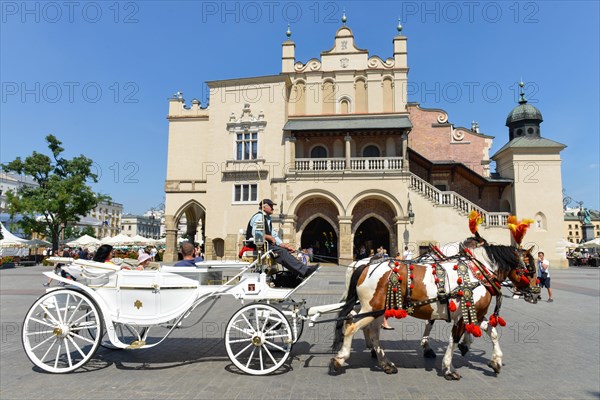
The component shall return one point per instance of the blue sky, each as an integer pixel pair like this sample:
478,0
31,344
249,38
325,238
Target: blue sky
98,74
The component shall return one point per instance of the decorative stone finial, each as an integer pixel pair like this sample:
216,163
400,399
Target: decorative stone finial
288,33
344,19
399,27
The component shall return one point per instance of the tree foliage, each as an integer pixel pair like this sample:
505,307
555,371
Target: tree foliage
62,196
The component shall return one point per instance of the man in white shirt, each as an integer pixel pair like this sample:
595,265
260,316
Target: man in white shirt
543,274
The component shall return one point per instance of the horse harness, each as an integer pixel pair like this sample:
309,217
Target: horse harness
400,306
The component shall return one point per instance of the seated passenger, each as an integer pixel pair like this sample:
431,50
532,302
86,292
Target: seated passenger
281,250
104,254
187,249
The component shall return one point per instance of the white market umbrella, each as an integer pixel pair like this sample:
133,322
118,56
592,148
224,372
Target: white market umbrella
36,243
142,241
565,243
11,240
592,244
119,240
84,241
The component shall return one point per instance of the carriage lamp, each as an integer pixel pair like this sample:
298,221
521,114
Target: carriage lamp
411,214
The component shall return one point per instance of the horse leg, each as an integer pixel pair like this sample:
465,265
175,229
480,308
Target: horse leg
367,331
496,361
385,364
465,344
350,328
447,368
427,350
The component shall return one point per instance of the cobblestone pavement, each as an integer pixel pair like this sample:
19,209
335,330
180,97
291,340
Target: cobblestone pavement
551,351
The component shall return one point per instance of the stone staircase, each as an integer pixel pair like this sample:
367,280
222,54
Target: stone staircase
453,200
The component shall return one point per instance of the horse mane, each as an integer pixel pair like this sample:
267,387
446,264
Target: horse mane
503,256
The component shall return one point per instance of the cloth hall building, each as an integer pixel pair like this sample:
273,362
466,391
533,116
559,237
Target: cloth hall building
351,163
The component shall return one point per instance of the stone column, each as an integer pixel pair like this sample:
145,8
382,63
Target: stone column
405,165
345,251
170,254
209,251
348,150
290,150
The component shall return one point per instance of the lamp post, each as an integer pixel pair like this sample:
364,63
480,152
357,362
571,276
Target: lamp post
410,213
587,228
281,218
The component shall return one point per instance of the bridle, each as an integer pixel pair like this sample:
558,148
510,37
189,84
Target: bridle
527,271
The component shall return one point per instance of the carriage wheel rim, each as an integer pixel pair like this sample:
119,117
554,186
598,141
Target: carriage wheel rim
55,331
258,339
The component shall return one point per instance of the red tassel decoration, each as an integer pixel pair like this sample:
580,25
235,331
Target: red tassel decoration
396,270
501,321
476,331
412,267
412,276
469,328
396,263
455,267
460,293
399,279
388,313
524,279
394,289
459,281
452,306
468,304
493,320
400,314
437,280
412,286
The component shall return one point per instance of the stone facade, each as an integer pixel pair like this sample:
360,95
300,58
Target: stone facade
335,143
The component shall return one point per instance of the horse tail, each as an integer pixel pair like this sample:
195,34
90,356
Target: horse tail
351,299
349,271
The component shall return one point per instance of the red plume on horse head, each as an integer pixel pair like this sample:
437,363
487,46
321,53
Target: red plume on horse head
518,228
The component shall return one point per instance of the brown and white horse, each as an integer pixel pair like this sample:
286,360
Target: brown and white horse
372,287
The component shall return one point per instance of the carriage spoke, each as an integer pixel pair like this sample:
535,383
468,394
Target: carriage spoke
57,356
250,358
49,314
274,345
269,354
49,348
47,339
248,322
271,328
39,321
240,340
38,333
260,358
242,350
66,306
74,311
68,353
83,316
82,338
57,310
243,330
76,346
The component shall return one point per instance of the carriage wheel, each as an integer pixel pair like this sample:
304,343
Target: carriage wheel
57,331
258,339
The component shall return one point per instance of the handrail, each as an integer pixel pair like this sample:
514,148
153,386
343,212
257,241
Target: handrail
453,199
356,164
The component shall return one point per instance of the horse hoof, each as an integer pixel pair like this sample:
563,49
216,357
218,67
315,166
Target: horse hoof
429,353
452,376
390,369
495,366
463,349
373,353
335,367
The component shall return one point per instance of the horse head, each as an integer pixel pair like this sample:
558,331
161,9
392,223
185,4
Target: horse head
523,275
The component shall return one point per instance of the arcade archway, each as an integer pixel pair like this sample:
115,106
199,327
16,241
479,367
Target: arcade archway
321,236
371,234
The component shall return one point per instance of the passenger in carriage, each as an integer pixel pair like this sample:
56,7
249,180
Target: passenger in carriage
281,250
188,250
104,254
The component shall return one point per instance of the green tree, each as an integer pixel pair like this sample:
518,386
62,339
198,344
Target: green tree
62,196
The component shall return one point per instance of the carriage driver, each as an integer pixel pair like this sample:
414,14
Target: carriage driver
281,250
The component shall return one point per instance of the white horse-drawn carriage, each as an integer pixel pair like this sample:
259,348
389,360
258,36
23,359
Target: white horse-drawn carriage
111,307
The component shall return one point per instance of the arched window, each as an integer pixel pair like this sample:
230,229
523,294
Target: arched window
344,107
371,151
318,152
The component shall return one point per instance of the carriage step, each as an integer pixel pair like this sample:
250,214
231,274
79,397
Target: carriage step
136,344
